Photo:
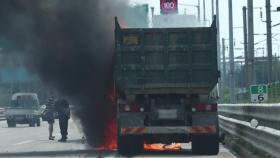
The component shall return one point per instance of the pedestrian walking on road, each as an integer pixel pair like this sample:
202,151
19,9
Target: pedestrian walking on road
63,110
50,110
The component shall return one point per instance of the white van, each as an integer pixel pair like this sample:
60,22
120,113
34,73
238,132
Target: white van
24,109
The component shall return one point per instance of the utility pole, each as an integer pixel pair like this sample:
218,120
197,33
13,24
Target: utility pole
245,45
251,55
212,4
153,14
204,13
224,63
219,47
198,11
224,58
269,40
231,55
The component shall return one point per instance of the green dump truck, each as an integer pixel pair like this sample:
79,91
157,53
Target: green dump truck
164,79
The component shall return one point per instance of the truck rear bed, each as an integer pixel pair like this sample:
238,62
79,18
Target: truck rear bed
173,60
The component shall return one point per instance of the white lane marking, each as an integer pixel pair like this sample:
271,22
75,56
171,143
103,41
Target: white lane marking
25,142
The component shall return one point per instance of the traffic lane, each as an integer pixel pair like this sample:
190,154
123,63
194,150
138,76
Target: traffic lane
25,141
62,154
224,153
186,153
113,154
20,135
35,139
12,136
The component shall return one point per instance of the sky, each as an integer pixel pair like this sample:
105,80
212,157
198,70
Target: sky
259,26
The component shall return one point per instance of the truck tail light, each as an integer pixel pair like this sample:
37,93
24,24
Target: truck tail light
130,108
205,108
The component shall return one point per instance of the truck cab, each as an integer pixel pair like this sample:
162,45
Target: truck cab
24,109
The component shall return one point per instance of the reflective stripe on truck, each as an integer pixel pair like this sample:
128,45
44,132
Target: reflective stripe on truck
135,130
167,130
203,129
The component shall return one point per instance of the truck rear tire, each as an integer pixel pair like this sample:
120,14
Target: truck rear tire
38,123
130,145
11,123
205,145
32,123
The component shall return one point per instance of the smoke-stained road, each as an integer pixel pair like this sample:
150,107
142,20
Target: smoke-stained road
33,141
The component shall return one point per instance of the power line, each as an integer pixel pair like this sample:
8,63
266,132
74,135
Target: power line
265,39
276,25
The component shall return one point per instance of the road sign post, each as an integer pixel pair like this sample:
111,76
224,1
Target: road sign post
259,93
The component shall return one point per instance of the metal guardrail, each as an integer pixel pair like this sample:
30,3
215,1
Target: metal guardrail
266,114
263,138
235,120
2,114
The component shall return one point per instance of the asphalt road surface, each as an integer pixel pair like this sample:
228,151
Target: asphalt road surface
25,141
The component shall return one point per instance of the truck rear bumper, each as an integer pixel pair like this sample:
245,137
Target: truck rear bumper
211,129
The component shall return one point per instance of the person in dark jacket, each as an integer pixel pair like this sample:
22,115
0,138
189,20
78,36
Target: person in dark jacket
50,109
63,109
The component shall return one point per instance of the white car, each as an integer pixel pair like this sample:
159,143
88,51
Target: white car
24,109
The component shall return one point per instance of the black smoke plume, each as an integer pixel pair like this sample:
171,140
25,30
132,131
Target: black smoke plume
69,44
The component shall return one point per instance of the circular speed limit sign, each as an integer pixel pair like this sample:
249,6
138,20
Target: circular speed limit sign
169,6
